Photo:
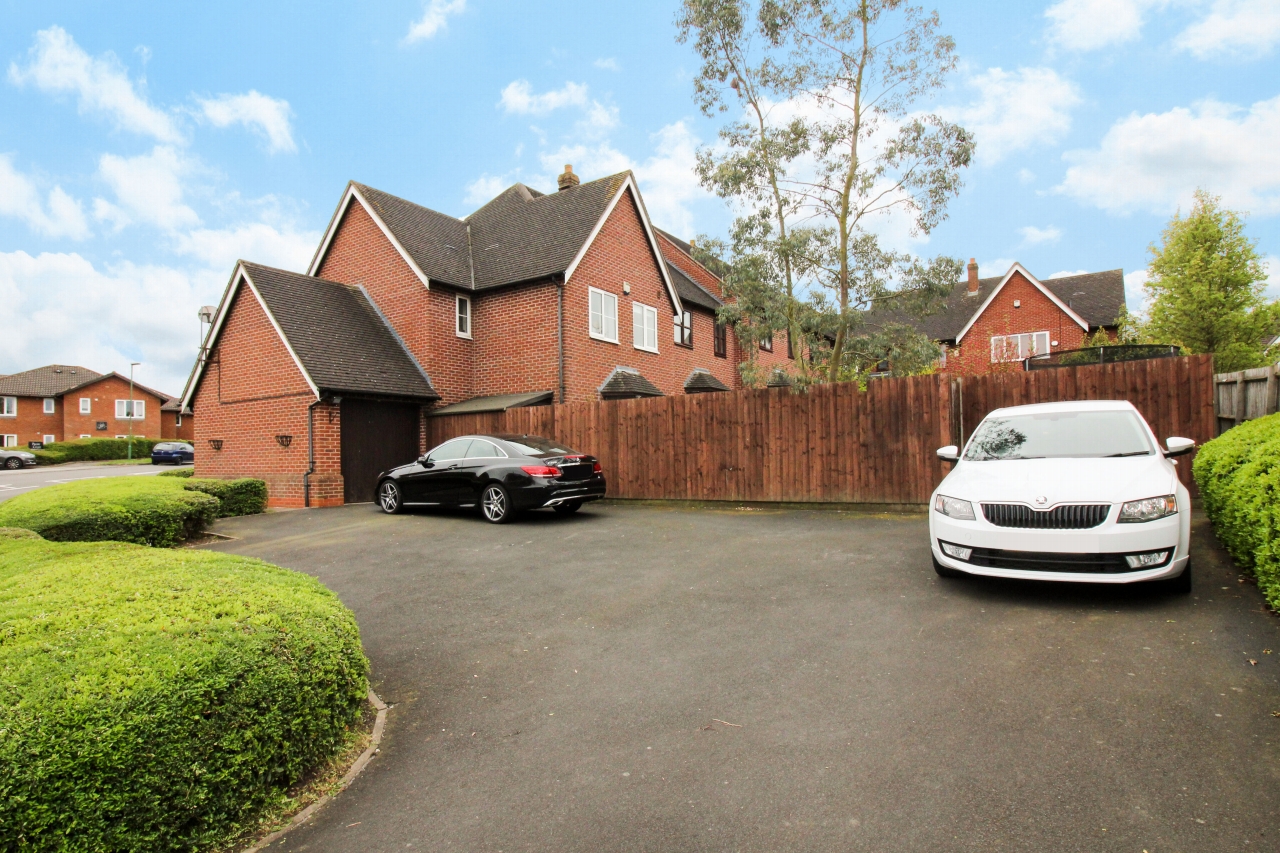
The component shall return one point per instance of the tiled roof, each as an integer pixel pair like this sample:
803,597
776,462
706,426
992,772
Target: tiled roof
497,403
692,293
344,344
625,383
1096,297
437,243
702,382
52,380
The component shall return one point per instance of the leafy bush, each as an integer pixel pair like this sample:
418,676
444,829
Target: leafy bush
17,533
1239,478
176,472
146,510
158,700
93,450
245,496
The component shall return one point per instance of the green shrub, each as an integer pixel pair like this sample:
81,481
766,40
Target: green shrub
1239,478
93,450
158,700
17,533
176,472
146,510
236,497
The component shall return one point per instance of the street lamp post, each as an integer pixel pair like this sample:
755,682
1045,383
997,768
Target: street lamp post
133,407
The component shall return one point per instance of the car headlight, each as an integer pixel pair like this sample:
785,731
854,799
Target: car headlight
1148,509
954,508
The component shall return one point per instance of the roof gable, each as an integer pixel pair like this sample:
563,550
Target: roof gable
1020,269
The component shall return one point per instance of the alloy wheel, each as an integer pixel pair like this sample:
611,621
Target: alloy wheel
13,463
389,496
494,504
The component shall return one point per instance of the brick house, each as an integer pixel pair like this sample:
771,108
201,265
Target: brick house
176,422
991,324
60,402
570,296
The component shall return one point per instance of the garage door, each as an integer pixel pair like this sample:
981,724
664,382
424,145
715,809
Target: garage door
375,437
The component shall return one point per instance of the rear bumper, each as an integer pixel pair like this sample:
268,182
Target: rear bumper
537,495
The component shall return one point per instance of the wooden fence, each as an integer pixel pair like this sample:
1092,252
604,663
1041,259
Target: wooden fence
1245,395
834,443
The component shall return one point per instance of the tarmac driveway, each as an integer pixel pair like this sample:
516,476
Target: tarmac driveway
654,679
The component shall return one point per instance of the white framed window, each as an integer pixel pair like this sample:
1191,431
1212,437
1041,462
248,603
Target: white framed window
463,325
604,315
131,410
8,407
50,406
684,329
177,420
1018,347
50,439
86,405
8,441
644,327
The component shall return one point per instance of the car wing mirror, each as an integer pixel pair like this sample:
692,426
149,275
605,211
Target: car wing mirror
425,462
950,453
1179,446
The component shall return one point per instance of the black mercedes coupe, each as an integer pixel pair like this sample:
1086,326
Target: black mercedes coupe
502,474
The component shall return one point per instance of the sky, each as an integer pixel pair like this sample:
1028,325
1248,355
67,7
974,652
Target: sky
145,147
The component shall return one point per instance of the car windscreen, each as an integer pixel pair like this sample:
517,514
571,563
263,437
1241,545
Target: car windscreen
535,445
1059,435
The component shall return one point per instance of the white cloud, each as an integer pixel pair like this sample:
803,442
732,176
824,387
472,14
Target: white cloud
1135,297
269,116
1067,273
1092,24
57,64
1016,110
1026,176
1156,161
148,189
609,64
60,216
1033,236
484,188
1273,278
519,98
994,268
274,245
1250,27
434,19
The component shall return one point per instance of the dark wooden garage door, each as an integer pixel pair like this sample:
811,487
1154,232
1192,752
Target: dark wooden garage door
375,437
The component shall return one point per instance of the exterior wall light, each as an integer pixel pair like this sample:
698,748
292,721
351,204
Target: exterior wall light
215,443
284,440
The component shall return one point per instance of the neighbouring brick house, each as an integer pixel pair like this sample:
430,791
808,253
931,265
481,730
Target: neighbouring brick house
571,296
60,402
176,422
990,324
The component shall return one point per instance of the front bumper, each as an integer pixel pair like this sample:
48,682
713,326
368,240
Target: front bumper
1109,538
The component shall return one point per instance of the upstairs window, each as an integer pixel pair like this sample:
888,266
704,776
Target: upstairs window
131,410
1018,347
644,327
49,406
86,405
604,315
766,343
722,340
463,327
8,407
684,329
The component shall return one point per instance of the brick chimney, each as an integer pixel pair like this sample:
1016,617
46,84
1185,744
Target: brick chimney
973,276
567,180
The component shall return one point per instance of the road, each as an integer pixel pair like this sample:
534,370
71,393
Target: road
20,482
671,680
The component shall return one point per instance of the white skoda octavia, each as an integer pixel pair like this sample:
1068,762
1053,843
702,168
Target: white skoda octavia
1078,491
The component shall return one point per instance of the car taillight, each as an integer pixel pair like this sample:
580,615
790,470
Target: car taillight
540,470
595,468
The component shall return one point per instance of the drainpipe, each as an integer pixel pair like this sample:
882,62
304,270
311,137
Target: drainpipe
560,331
311,452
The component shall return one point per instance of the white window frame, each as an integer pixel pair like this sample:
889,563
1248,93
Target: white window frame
462,317
85,435
50,405
86,405
8,440
139,410
177,420
48,439
124,436
644,327
1008,348
683,325
8,407
598,316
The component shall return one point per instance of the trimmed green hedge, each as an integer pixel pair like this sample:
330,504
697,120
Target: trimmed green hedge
245,496
18,533
94,450
1239,478
159,700
176,472
145,510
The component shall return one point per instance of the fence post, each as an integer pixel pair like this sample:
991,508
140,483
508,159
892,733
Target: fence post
1242,400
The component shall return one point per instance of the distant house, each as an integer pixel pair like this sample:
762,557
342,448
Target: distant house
59,402
993,323
318,381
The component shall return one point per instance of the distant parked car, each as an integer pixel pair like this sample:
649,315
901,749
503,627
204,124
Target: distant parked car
174,452
1078,491
15,459
501,474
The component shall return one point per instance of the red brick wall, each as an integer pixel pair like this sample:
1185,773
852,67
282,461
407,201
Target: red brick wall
172,430
251,392
515,340
424,318
104,394
621,252
30,423
689,266
1037,314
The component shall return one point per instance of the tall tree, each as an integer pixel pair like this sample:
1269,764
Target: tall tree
827,149
1206,288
